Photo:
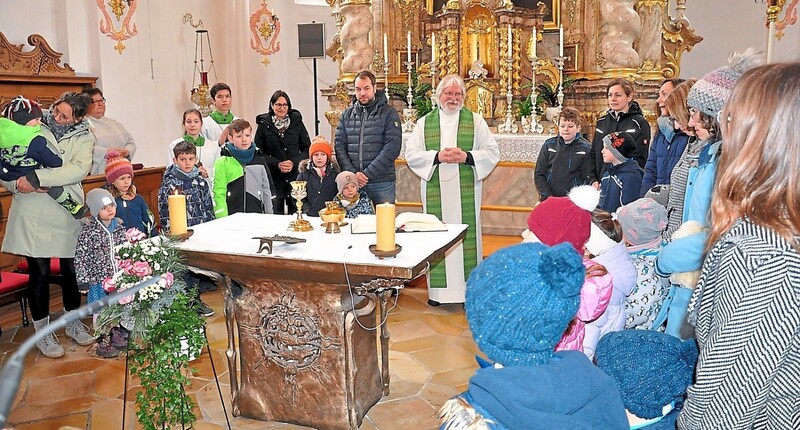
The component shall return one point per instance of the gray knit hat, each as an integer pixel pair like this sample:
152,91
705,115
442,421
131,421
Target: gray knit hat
642,220
345,178
620,144
97,199
710,94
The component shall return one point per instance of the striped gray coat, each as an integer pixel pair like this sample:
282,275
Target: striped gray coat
747,306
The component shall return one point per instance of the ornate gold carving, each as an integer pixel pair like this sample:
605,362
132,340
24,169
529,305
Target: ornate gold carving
547,72
650,4
789,18
450,53
108,26
42,60
480,97
452,5
407,8
354,3
678,36
265,27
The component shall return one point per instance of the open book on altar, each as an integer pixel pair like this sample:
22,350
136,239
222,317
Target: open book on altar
405,222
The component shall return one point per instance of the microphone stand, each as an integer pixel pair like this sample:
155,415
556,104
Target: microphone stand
12,370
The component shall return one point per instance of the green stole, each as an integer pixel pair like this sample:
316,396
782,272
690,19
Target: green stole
433,193
200,141
222,119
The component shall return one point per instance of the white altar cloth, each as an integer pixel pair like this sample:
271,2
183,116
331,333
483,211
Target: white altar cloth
234,235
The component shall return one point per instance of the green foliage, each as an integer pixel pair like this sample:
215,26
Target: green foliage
161,365
420,91
546,94
159,316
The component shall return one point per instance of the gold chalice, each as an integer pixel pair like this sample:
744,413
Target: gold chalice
298,193
332,215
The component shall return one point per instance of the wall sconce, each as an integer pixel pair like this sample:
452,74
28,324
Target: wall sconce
200,94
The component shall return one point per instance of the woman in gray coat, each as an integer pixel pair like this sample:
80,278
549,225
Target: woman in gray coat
39,229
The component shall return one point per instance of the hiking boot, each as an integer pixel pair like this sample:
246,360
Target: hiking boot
119,339
105,349
80,212
202,309
49,345
79,333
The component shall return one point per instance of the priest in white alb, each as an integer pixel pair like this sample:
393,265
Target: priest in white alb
453,151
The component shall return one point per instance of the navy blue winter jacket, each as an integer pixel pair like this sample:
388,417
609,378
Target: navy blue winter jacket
663,157
620,185
368,139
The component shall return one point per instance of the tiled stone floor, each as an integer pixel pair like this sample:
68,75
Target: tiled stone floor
431,352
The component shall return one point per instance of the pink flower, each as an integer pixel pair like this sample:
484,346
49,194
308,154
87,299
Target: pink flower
168,278
141,269
133,235
126,299
108,285
126,266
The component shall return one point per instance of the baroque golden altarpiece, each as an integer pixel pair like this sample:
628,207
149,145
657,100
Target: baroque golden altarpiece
603,39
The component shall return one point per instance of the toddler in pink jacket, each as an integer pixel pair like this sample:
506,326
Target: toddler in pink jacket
568,219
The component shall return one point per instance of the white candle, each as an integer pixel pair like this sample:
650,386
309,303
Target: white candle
509,41
408,52
533,49
385,49
177,214
433,48
560,41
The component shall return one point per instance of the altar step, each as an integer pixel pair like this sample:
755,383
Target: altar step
491,243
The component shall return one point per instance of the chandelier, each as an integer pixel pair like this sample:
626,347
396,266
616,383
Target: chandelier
200,94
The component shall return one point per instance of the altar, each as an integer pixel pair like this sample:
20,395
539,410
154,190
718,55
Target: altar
509,193
303,322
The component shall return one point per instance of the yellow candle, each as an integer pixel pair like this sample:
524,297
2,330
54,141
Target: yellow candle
385,226
177,214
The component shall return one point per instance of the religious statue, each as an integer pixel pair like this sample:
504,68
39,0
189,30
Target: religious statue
478,71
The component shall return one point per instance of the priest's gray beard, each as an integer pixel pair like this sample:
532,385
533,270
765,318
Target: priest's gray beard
450,107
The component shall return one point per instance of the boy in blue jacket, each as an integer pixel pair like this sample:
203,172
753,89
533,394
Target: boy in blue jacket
622,179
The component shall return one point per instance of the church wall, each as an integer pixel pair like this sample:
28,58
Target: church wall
714,20
150,102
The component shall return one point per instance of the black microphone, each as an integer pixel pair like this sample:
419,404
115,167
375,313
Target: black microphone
12,371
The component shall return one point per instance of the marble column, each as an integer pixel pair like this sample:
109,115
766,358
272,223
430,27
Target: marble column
620,27
354,36
648,46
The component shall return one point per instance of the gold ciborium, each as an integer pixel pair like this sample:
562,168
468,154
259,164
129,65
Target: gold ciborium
332,215
298,193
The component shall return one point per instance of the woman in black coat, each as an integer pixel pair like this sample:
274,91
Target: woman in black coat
283,139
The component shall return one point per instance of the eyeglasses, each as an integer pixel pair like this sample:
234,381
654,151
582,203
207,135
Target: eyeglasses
280,105
57,114
457,95
98,101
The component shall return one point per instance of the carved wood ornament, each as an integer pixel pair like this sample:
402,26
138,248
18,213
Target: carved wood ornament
42,60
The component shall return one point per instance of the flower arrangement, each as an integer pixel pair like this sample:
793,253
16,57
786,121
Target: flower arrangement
158,317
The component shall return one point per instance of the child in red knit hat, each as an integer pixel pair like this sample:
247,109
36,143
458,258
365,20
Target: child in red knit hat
319,172
131,207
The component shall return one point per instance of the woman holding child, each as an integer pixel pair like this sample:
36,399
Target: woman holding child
283,139
39,228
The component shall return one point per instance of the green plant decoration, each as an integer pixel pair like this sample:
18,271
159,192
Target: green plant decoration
420,92
547,94
159,317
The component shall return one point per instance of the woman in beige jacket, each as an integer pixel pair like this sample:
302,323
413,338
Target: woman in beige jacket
39,228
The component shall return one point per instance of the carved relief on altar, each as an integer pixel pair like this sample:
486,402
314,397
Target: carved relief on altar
478,42
42,60
480,97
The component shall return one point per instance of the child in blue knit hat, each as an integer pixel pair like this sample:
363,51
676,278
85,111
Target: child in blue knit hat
519,302
652,371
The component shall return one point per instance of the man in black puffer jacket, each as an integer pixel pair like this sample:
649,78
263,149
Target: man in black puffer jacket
368,140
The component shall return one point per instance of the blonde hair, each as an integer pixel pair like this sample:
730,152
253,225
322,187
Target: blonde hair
758,176
676,103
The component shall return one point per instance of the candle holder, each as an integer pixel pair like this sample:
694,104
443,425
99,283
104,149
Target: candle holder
533,125
560,96
434,102
384,254
508,126
409,114
298,193
386,65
